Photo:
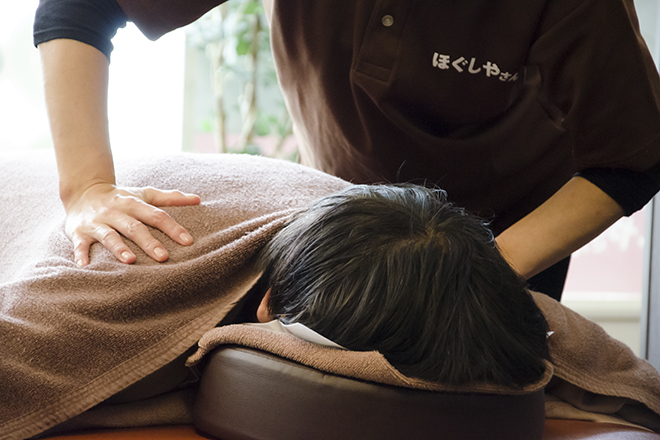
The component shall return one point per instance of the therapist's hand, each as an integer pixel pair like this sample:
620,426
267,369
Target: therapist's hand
76,91
104,213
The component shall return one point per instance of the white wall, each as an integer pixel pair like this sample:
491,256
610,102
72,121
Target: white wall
146,93
146,90
23,118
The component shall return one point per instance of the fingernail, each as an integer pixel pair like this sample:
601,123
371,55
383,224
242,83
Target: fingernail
125,256
159,252
80,263
185,238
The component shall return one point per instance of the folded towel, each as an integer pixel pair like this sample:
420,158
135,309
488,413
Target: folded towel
593,372
368,366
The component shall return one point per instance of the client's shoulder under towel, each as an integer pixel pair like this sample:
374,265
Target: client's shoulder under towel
72,337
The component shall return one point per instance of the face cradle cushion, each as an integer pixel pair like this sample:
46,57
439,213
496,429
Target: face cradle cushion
250,394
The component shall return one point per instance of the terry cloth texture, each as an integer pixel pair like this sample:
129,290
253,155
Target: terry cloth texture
78,336
368,366
595,376
72,337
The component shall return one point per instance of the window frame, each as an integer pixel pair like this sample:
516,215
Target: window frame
650,318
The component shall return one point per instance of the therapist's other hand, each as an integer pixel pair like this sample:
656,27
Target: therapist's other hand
105,212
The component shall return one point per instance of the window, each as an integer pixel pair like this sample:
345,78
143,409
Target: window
155,91
146,88
22,112
606,277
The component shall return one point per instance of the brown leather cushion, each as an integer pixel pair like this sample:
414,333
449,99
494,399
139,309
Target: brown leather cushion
248,394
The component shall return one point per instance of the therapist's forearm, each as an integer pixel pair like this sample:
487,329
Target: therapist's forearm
571,218
76,83
76,88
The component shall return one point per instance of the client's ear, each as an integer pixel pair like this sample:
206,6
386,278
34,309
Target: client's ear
263,314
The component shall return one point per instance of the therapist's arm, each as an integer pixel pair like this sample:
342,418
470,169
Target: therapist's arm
572,217
76,89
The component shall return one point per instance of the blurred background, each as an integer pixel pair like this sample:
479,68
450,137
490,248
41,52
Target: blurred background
211,87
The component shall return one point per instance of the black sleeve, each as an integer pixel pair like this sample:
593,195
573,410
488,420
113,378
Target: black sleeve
630,189
93,22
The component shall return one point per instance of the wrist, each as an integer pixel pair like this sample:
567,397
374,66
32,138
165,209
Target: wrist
71,193
525,254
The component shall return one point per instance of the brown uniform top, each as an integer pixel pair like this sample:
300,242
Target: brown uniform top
499,102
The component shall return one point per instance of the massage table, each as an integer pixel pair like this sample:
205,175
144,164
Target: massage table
245,392
554,430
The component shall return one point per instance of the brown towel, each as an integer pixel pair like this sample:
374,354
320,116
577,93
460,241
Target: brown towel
596,373
73,337
593,372
368,366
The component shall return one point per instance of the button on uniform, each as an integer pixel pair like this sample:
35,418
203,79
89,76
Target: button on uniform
381,42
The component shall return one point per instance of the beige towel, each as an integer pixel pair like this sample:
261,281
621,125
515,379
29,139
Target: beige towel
595,376
596,373
73,337
368,366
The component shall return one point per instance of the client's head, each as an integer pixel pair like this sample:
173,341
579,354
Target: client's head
400,270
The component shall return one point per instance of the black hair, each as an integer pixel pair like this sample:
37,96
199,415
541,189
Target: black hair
398,269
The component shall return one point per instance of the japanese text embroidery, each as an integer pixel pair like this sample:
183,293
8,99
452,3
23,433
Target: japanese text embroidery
461,64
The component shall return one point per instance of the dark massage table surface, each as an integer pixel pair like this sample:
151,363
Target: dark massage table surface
247,394
555,429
